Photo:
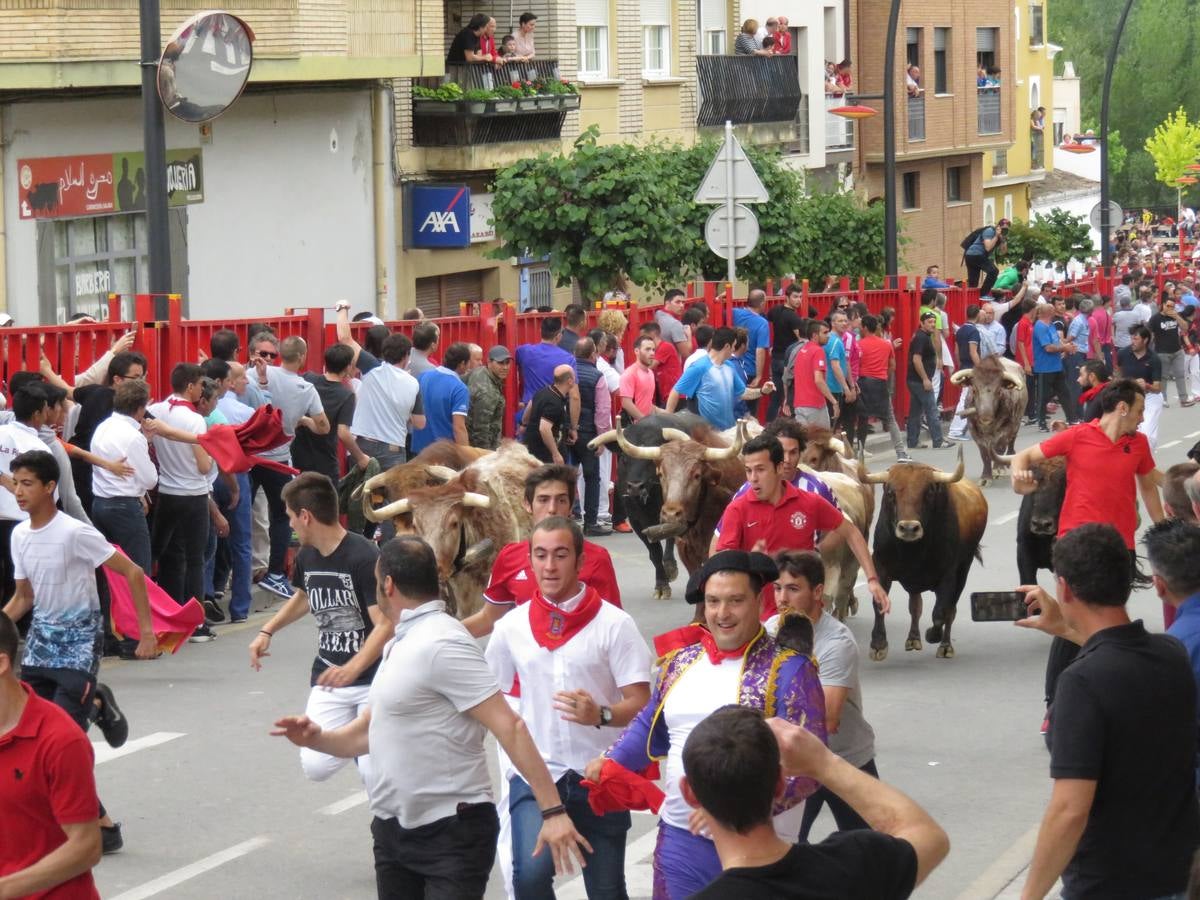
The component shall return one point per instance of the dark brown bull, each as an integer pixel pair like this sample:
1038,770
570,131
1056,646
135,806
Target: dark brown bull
698,474
436,464
929,529
994,408
1037,522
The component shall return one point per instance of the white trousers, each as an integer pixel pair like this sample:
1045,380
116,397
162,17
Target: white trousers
959,425
606,480
1149,426
1193,374
260,540
504,848
333,708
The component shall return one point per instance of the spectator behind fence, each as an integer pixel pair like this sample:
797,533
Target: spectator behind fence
424,344
734,766
315,452
485,387
445,399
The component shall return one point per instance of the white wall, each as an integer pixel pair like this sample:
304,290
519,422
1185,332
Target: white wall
286,219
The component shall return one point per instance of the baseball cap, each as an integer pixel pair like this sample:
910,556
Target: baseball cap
499,353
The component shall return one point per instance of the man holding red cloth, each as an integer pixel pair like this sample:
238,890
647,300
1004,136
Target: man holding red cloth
584,671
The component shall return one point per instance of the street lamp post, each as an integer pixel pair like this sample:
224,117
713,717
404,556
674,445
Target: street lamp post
1105,224
154,143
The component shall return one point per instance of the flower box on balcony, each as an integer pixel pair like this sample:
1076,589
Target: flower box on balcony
503,106
473,107
570,101
527,103
548,102
430,106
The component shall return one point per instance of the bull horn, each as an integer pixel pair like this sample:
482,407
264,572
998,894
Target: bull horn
1004,459
1011,379
868,477
716,454
674,434
480,501
836,445
387,512
601,439
365,487
967,412
956,475
961,375
445,473
634,450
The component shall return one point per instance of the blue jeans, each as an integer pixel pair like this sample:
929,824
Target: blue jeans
533,877
278,527
123,521
921,402
240,522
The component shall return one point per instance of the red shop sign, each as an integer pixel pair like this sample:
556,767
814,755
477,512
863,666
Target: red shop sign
59,186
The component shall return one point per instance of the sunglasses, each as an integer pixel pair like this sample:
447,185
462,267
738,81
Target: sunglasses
267,354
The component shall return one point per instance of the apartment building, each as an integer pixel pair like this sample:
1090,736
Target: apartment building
1009,175
944,130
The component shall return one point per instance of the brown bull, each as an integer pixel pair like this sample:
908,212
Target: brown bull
436,464
698,475
467,520
825,451
929,529
994,408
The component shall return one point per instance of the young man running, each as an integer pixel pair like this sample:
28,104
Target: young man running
55,559
335,579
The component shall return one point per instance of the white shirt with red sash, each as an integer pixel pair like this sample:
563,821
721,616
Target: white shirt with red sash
581,644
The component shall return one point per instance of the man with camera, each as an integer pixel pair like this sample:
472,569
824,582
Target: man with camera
977,255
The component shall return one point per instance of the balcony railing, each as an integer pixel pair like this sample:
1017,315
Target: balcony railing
1037,150
989,110
839,132
747,89
467,123
801,132
916,118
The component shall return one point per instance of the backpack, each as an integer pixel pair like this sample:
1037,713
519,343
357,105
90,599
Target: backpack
969,241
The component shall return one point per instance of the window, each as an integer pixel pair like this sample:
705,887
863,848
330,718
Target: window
957,188
713,16
912,50
439,295
989,211
656,38
912,190
1008,207
1059,127
1037,35
941,65
1000,163
591,19
92,258
987,46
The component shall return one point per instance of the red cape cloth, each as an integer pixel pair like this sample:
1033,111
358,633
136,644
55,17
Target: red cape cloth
235,447
678,638
173,624
619,790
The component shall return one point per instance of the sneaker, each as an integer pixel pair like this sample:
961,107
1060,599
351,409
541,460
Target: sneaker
237,620
596,530
111,721
1029,420
1186,403
218,596
962,438
202,635
623,528
213,614
1043,428
942,446
903,457
110,838
278,585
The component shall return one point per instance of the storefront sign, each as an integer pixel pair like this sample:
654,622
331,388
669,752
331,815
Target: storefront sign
483,228
61,187
440,216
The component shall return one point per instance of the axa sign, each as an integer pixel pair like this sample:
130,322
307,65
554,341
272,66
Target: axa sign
440,215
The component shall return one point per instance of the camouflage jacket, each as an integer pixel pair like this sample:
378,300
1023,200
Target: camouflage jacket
485,422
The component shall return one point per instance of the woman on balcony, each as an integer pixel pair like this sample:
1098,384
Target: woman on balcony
523,37
747,44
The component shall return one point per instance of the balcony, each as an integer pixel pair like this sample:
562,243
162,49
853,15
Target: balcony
916,118
989,110
473,120
801,128
746,90
839,132
1037,150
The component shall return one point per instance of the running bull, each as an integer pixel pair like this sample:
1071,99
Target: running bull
995,407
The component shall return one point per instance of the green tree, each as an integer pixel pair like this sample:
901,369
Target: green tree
614,215
1174,146
1057,236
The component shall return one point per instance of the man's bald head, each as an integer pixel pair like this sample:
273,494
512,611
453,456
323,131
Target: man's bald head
563,375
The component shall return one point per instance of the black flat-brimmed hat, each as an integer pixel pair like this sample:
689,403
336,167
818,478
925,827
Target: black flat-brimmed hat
759,565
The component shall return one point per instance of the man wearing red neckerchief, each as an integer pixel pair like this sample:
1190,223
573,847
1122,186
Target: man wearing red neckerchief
584,671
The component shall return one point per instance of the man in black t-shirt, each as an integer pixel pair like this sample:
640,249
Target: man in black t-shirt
546,420
334,574
785,331
1170,337
1122,822
922,365
1138,362
312,452
465,48
734,769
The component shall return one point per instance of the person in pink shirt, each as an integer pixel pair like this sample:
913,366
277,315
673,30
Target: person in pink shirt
1100,328
637,381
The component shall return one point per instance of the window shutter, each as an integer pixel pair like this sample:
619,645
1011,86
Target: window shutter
591,12
939,38
714,15
656,12
985,40
912,35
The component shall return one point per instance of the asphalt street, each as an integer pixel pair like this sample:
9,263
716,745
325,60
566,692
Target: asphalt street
213,807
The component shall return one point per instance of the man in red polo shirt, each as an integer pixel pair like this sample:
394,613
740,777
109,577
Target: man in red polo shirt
1109,463
1024,350
774,515
549,491
49,811
812,400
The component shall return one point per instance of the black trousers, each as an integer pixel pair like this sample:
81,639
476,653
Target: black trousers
449,859
847,819
278,527
177,542
589,465
981,265
776,398
1053,384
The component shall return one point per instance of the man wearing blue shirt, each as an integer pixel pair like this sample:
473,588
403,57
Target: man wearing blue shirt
750,317
1048,351
837,364
714,383
446,400
933,279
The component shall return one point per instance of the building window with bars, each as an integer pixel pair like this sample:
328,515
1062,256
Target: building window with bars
656,38
591,24
941,62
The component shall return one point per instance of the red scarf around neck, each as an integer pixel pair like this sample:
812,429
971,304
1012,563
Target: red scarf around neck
1091,392
693,633
173,402
553,626
716,655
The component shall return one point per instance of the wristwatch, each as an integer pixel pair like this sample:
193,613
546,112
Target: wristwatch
605,716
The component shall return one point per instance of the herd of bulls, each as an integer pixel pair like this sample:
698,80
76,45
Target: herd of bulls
676,475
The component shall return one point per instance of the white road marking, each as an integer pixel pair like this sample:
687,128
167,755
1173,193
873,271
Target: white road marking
347,803
1169,444
105,753
184,873
639,871
1008,517
1193,434
1007,867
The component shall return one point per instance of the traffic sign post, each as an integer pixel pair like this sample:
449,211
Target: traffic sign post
731,231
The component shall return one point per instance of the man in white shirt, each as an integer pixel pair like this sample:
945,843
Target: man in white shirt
29,406
388,405
432,702
180,531
119,506
299,404
582,662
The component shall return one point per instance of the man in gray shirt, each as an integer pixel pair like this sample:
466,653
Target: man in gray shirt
801,589
424,344
299,404
668,319
1124,318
